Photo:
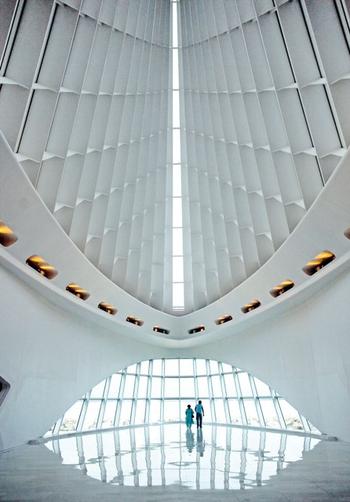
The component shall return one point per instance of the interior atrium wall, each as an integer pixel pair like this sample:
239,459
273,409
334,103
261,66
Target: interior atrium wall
84,104
264,86
54,347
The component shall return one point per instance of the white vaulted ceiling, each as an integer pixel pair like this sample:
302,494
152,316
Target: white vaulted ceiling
86,103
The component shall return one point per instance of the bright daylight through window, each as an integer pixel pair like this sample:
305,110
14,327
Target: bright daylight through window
178,297
159,390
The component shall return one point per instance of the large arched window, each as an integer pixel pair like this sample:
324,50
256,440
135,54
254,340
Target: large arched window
158,391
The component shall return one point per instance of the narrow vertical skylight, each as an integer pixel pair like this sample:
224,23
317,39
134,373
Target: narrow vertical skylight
178,296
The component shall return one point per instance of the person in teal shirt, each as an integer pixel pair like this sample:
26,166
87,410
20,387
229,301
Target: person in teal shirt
189,416
199,414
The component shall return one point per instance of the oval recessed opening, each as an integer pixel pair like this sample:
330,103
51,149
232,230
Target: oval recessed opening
134,320
281,288
107,307
78,291
320,261
7,235
222,319
248,307
347,233
43,267
158,329
197,329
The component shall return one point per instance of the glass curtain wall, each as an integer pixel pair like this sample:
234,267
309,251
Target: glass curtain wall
158,391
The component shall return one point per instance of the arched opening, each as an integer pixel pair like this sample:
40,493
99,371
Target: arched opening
158,391
130,428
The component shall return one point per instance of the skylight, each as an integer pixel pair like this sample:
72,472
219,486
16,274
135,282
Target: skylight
178,293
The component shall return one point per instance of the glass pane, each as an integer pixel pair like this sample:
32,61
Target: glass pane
262,388
291,416
171,411
171,387
178,241
214,367
177,212
215,381
178,269
108,418
125,412
226,368
144,368
176,109
129,386
251,413
186,367
235,412
203,387
140,411
91,416
175,68
154,412
220,410
157,367
132,369
176,148
114,385
230,385
177,191
71,417
97,391
142,392
187,387
269,412
201,367
178,295
172,367
246,389
156,387
175,25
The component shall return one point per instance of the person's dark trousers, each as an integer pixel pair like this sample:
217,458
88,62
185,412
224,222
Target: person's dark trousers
199,420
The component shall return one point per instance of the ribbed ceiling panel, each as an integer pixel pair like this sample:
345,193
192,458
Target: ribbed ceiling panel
260,126
86,103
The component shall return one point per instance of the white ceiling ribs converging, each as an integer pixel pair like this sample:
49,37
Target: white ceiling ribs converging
86,104
260,129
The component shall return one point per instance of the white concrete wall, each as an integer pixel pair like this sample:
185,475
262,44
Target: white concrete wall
55,347
51,357
303,354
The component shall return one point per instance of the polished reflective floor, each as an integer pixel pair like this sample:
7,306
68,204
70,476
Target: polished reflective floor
216,457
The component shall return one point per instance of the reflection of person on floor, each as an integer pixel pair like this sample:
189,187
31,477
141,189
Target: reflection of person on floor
199,414
200,443
189,416
189,440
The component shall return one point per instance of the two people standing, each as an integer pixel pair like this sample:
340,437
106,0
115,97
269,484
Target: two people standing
199,410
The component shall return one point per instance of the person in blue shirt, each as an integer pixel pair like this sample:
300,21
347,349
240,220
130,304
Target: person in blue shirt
189,416
199,414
